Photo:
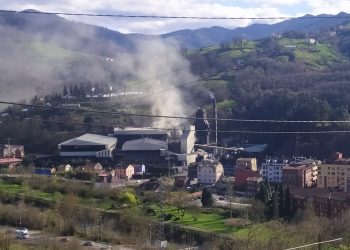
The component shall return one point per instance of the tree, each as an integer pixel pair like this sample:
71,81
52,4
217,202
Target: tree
207,198
281,200
288,211
65,91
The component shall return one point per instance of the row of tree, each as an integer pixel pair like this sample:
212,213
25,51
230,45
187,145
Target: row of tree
277,199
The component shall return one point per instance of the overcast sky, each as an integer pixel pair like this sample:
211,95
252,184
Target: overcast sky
211,8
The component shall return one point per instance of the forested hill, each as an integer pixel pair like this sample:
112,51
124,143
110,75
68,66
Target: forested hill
292,77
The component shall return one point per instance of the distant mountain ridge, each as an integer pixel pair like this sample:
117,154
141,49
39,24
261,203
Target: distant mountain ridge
50,25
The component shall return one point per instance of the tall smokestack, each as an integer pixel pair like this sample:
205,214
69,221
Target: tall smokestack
215,115
202,127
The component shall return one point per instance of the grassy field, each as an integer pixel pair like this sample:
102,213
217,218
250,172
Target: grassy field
316,55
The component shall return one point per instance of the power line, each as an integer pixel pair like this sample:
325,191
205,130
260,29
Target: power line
174,117
181,129
173,17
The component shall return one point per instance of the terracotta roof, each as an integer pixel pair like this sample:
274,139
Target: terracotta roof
308,192
9,160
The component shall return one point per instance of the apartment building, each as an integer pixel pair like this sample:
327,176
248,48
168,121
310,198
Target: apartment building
335,173
331,204
247,163
209,171
299,176
245,168
271,169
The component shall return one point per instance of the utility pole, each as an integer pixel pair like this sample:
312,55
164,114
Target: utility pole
161,233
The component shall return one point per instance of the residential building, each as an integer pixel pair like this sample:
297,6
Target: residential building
109,178
299,176
209,172
95,168
331,204
304,197
13,151
335,174
64,168
241,175
253,184
247,163
245,167
180,181
271,169
88,145
192,171
125,172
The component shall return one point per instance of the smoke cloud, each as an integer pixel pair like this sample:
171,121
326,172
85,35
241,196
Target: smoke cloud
37,62
151,59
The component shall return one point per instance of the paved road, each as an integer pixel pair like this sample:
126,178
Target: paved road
38,237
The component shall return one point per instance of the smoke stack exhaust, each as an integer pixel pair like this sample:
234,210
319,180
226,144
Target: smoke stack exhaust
215,115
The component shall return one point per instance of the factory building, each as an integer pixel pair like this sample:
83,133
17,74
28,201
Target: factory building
144,150
88,145
129,134
141,145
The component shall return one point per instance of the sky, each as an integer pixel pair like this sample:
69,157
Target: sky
208,8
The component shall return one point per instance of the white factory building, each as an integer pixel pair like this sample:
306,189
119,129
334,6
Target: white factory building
88,145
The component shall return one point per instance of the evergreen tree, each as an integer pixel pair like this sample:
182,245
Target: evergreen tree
65,91
281,200
207,198
76,91
71,90
288,212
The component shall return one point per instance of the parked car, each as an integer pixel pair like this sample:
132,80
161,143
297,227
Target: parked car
88,244
21,230
21,235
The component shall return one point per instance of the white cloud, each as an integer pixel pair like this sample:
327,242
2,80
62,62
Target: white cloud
150,7
210,8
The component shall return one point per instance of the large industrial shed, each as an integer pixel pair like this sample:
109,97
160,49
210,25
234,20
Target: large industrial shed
88,145
130,134
144,150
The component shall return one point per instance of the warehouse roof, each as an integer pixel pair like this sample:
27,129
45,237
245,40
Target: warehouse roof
139,131
145,144
91,139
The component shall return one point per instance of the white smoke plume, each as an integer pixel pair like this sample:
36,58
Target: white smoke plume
33,63
155,57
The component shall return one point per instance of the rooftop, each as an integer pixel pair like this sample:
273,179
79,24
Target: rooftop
91,139
342,196
308,192
145,144
208,163
9,160
139,131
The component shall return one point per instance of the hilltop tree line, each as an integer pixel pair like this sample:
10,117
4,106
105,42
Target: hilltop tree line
84,89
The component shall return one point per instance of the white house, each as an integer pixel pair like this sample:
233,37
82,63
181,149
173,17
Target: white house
209,171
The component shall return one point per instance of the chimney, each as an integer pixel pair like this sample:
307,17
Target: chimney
215,116
202,127
337,156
